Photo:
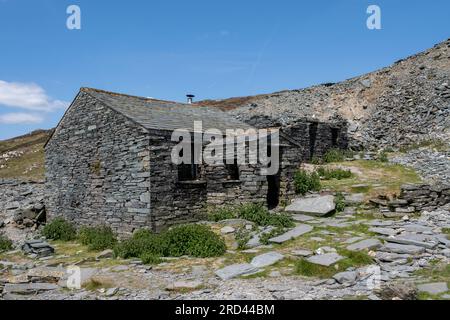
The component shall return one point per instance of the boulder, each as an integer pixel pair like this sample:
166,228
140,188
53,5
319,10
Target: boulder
318,206
347,277
38,247
105,254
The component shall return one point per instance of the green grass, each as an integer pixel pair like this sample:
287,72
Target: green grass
438,145
379,178
253,212
5,244
30,165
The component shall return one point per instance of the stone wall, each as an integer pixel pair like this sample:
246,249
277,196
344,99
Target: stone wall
317,137
424,196
172,201
97,168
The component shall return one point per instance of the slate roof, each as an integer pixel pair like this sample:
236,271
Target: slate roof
165,115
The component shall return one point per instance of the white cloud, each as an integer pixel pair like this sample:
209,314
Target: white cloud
20,118
28,96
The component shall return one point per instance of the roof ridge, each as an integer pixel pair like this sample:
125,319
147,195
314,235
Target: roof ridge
88,89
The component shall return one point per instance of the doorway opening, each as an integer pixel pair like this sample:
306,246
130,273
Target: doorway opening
273,191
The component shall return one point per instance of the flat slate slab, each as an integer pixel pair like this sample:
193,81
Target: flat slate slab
325,259
420,240
236,270
402,248
433,288
302,253
364,244
301,217
266,259
383,231
317,206
292,234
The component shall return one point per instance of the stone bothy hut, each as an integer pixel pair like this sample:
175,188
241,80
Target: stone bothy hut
109,162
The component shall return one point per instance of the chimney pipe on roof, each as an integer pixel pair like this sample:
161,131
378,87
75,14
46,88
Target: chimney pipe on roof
190,97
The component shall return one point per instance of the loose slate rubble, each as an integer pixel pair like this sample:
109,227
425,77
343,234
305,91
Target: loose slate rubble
317,206
28,288
39,248
292,234
326,259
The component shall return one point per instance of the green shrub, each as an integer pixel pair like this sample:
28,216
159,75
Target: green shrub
150,258
257,213
316,160
242,236
304,182
97,238
339,174
142,242
382,157
334,155
340,202
59,229
192,240
222,214
5,244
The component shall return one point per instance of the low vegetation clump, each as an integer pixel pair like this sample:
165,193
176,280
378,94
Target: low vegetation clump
5,244
59,229
150,258
338,174
142,242
97,238
242,237
222,214
383,157
192,240
334,155
258,214
340,202
305,181
254,212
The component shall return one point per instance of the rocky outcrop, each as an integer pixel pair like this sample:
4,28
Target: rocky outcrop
398,105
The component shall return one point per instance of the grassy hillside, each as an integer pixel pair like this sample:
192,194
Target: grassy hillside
23,157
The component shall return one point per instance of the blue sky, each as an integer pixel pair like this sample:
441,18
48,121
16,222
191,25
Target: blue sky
214,49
